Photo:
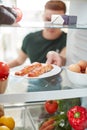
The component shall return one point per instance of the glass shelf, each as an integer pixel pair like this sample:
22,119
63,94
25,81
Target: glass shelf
29,116
46,25
33,90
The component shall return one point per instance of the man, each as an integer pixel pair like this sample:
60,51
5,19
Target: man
36,45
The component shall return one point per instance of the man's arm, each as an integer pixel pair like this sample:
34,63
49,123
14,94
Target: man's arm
19,60
63,56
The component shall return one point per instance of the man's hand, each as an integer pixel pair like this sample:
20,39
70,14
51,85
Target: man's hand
55,58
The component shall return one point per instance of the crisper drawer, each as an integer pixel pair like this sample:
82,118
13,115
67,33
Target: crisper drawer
38,114
29,116
19,113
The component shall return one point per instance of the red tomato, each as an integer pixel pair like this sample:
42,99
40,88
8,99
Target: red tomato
4,71
19,14
51,106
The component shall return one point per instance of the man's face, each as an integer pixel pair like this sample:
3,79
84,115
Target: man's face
47,17
48,13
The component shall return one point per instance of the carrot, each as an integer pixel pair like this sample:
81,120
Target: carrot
47,123
50,127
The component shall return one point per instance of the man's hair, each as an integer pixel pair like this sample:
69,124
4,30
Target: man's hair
56,5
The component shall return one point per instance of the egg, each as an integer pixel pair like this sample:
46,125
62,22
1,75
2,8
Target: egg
83,65
74,68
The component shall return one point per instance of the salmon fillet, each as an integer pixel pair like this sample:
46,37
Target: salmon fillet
40,70
28,69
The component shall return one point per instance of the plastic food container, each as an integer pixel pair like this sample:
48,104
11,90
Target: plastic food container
27,116
77,78
3,86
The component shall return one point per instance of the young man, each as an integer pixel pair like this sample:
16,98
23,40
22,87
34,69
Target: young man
36,45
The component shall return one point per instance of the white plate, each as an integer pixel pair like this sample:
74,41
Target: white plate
56,70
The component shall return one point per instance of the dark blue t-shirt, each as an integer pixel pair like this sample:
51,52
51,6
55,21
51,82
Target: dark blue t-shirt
36,47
